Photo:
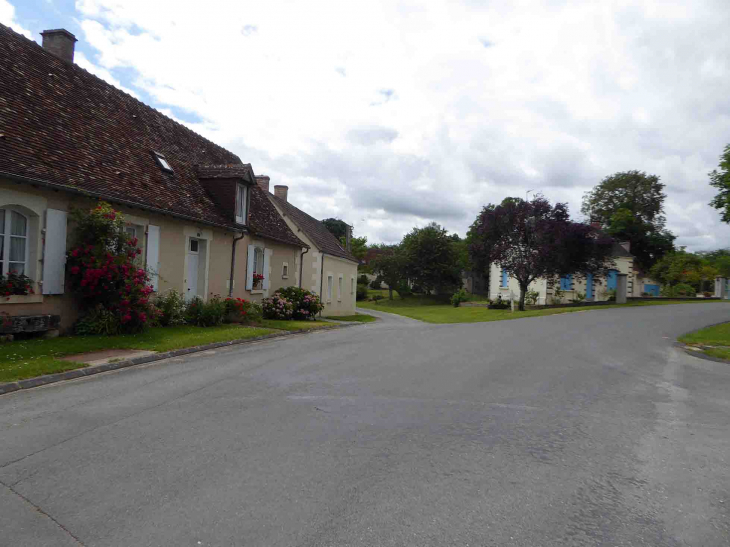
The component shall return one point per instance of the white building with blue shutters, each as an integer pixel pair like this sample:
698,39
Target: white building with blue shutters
576,286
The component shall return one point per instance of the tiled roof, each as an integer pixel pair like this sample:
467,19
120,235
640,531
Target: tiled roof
63,126
315,230
268,222
232,170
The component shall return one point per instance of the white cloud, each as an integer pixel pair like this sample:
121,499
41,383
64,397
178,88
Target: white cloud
391,114
7,18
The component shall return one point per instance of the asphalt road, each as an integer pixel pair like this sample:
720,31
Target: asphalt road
578,429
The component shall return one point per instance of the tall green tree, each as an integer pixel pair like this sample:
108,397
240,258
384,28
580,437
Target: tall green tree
431,259
336,226
721,180
683,267
534,239
629,206
389,266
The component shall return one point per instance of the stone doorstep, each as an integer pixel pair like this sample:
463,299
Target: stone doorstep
106,356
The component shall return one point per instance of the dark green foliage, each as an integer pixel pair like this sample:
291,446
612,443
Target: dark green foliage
206,314
684,268
498,304
98,321
375,283
336,226
362,292
629,206
403,289
721,180
15,284
431,259
390,266
458,297
362,279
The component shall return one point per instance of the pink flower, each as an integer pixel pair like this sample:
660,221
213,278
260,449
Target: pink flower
75,270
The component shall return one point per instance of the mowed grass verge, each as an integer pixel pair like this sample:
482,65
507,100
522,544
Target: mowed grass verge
431,310
717,336
359,317
23,359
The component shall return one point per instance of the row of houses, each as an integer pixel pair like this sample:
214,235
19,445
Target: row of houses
206,223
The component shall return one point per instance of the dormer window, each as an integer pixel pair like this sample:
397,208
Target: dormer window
162,162
241,202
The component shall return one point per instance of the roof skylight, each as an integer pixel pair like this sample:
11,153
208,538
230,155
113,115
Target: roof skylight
163,162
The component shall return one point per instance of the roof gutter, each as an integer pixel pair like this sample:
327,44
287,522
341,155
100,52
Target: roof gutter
86,193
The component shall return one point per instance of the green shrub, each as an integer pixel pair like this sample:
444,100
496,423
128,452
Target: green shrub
98,320
306,304
532,297
362,292
610,295
558,294
173,307
362,279
206,314
579,297
498,304
458,297
377,297
683,289
277,307
375,284
403,289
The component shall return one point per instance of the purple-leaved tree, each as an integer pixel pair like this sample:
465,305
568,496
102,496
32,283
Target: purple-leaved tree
534,239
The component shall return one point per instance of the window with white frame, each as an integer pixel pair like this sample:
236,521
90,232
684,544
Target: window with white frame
241,195
285,270
339,289
330,282
13,242
258,261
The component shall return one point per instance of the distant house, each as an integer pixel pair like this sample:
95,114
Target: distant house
592,288
327,269
68,139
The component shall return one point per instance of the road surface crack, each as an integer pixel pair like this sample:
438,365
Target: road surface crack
45,514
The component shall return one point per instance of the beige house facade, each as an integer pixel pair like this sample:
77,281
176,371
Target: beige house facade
204,226
327,269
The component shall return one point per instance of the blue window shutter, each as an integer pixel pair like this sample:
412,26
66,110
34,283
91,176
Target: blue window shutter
612,278
589,286
504,279
565,282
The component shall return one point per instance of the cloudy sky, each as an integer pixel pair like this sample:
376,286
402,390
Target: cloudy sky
393,114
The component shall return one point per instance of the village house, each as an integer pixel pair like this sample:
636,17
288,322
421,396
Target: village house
327,268
68,139
575,286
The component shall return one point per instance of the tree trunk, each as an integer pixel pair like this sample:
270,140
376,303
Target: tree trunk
523,293
390,292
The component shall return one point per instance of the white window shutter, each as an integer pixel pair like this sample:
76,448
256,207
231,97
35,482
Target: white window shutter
54,252
267,255
249,268
153,254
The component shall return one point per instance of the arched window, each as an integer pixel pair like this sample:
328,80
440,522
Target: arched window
13,242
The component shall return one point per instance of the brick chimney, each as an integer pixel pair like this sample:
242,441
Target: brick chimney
281,191
60,42
263,182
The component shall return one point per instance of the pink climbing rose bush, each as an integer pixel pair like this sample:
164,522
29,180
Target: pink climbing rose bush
105,270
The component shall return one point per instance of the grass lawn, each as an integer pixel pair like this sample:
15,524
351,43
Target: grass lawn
293,325
718,335
361,317
23,359
425,308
